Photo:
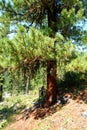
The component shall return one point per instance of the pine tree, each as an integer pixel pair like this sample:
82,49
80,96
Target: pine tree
57,15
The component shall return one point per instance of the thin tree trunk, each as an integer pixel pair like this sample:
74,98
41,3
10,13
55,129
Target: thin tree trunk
1,87
1,92
27,85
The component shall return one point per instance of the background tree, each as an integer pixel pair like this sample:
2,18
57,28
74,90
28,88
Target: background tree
1,86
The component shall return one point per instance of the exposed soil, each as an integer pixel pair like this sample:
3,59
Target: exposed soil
58,117
69,117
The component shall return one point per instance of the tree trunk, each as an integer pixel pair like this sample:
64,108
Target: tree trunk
27,85
52,20
1,87
51,93
0,93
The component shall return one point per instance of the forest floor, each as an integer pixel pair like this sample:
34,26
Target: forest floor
71,116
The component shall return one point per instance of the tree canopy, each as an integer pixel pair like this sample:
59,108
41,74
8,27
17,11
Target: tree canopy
59,15
49,16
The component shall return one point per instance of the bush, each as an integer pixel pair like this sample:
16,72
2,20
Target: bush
72,79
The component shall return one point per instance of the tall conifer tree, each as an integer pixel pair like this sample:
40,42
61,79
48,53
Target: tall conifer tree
58,15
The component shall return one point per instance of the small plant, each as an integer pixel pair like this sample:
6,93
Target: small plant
3,123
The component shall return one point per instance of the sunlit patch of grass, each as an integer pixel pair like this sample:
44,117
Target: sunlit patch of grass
14,105
3,123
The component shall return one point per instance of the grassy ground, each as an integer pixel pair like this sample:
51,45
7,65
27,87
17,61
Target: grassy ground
12,106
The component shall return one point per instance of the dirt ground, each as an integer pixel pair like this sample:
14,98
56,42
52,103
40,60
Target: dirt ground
67,117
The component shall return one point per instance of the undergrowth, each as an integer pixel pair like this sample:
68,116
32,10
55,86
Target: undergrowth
14,105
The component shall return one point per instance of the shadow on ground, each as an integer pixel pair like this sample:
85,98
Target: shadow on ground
71,88
8,112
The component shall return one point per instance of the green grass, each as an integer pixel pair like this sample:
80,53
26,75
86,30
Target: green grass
14,105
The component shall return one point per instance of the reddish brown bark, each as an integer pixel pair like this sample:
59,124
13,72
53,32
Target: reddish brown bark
51,93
